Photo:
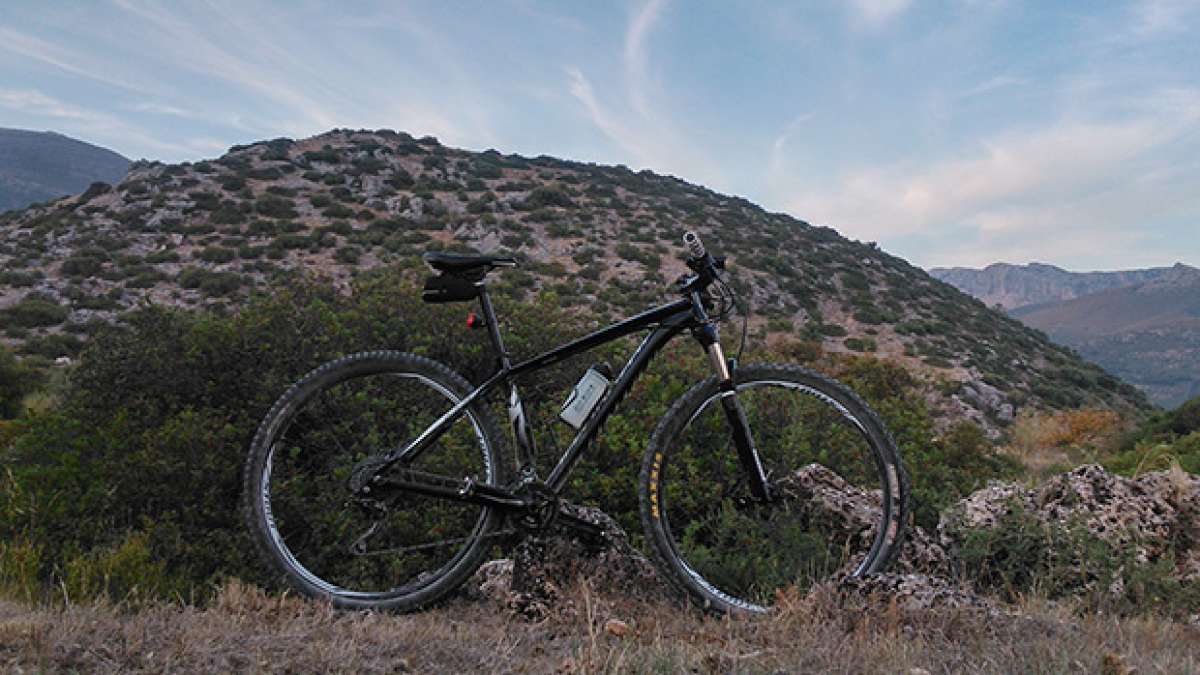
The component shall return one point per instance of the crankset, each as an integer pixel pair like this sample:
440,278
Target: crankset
540,508
544,509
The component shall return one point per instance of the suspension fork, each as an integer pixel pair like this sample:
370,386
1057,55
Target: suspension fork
706,334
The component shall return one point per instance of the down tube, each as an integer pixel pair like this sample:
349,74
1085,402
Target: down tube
633,368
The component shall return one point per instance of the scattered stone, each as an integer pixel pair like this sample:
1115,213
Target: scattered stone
913,592
617,628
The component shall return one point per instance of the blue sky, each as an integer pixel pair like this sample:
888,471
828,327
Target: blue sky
953,133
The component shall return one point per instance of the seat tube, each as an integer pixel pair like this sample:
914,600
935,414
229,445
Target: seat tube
526,447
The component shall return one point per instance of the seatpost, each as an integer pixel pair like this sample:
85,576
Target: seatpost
489,315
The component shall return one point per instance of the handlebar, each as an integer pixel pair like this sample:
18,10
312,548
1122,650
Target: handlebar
707,271
701,262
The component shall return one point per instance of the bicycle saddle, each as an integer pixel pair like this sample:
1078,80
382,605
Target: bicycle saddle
454,263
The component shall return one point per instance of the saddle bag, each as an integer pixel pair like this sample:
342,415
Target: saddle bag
448,288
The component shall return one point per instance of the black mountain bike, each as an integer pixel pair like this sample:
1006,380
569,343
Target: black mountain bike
379,479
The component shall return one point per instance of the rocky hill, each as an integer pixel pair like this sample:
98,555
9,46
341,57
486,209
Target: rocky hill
37,166
1013,286
602,238
1147,333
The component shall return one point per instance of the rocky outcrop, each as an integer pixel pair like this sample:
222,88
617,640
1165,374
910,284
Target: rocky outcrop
1154,515
853,515
544,566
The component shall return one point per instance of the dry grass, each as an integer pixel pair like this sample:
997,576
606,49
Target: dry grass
245,630
1045,443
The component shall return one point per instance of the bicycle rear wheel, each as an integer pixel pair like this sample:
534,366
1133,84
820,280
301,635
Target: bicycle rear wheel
815,437
300,504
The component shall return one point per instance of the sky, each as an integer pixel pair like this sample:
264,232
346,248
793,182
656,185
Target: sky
956,132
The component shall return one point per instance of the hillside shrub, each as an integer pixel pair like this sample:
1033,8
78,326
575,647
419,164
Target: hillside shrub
17,380
547,195
139,470
1020,555
272,206
217,254
81,266
135,479
36,310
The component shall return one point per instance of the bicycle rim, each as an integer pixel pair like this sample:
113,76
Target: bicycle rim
312,520
744,554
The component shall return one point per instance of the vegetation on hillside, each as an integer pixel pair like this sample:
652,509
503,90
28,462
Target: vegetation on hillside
601,238
133,480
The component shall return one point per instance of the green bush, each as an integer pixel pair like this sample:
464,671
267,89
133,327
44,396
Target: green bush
81,266
1020,555
35,310
347,254
145,453
53,345
272,206
338,211
213,284
17,380
216,254
548,195
136,477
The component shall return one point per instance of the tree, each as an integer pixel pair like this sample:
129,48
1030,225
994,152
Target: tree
17,380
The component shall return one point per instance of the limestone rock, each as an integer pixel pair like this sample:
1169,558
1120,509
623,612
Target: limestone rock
541,568
1155,514
854,514
914,592
1119,510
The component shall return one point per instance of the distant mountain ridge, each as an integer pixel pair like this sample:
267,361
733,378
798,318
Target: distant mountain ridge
1013,286
1143,325
1147,333
36,166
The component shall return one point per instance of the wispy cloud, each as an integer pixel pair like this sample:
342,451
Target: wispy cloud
193,50
155,108
94,125
629,141
68,60
1018,183
776,165
877,13
650,136
635,53
37,103
1158,17
990,85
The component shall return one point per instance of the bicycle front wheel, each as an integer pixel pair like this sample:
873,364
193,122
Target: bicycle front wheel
818,442
325,435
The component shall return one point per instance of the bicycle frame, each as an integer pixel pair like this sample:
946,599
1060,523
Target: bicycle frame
665,322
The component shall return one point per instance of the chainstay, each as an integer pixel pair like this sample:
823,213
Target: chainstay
435,544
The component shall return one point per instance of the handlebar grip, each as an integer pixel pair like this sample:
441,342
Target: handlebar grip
692,241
